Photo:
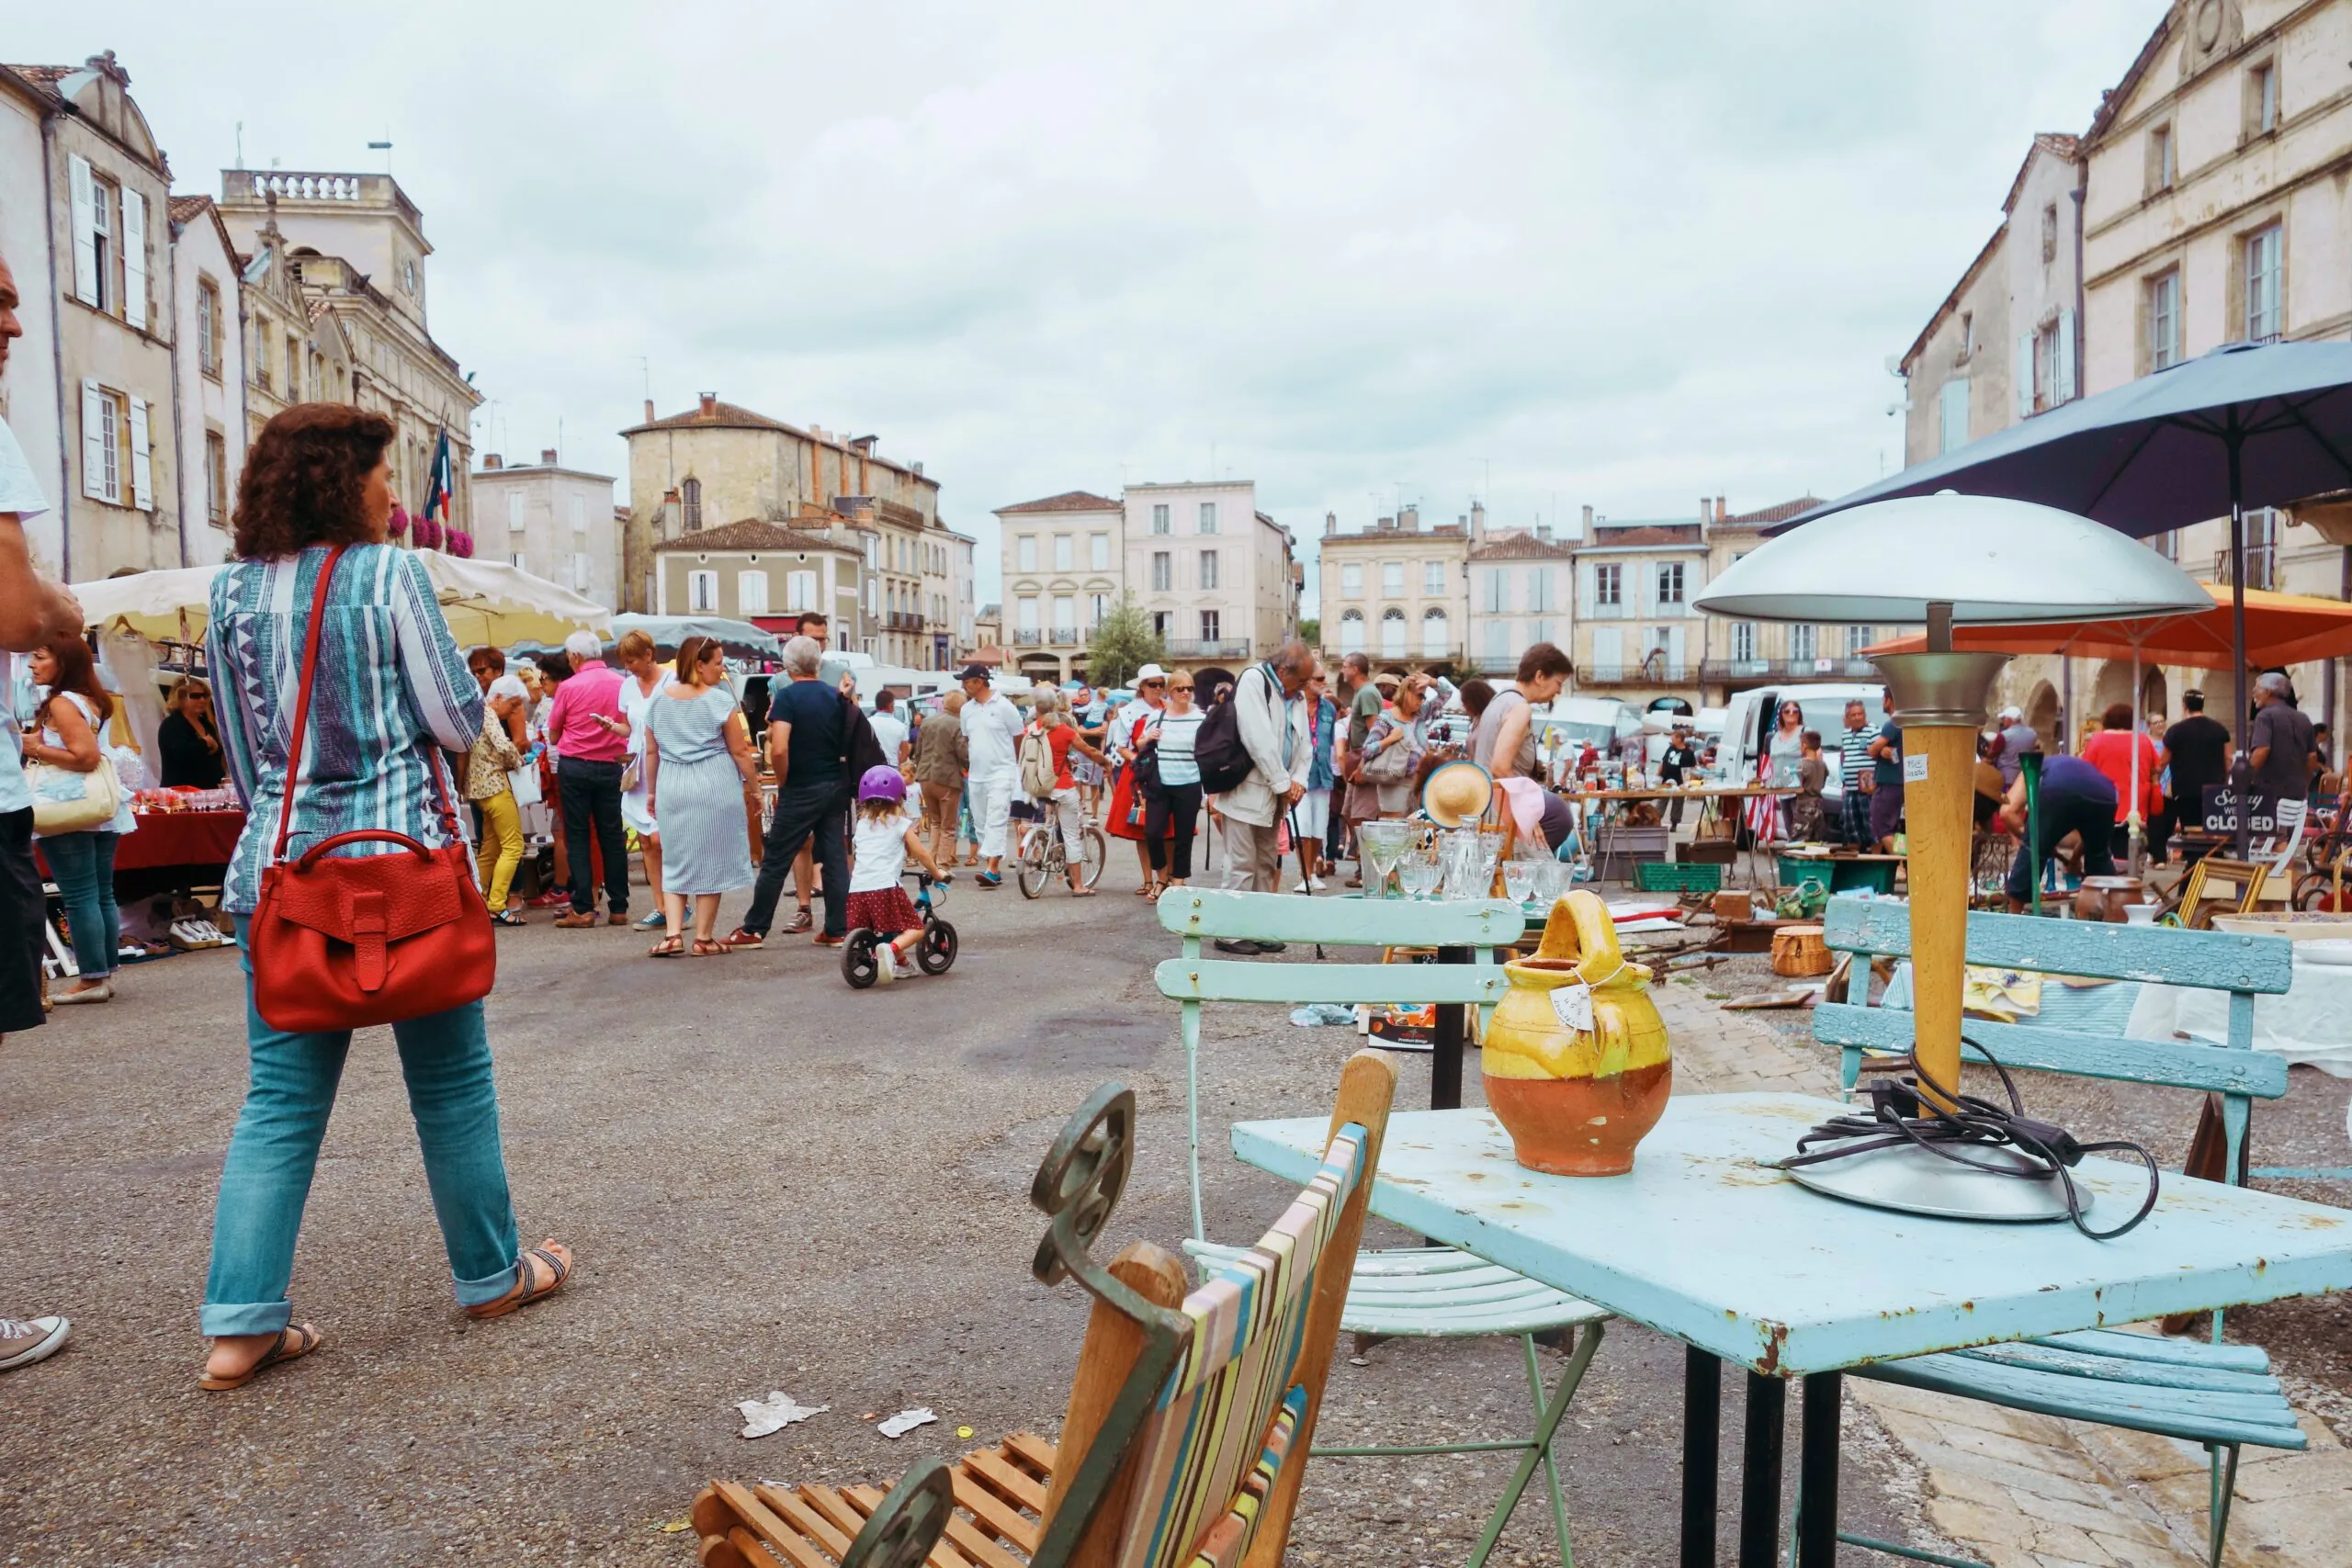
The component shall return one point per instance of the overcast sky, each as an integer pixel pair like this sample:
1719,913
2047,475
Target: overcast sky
1621,254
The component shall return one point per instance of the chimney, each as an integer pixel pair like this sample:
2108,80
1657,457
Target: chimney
1477,522
648,410
1330,524
1588,522
1719,509
493,460
1543,532
710,405
546,455
1703,504
1408,518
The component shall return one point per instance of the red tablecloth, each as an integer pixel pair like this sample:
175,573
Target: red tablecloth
176,838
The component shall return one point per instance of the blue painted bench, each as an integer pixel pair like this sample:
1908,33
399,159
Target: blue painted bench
2220,1396
1426,1292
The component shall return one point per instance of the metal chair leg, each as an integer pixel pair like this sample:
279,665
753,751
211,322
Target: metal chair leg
1567,1340
1540,1449
2225,1485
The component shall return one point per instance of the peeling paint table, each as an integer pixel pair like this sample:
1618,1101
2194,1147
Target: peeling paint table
1704,1242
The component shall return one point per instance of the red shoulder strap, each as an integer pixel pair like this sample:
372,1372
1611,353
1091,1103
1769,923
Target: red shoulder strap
303,701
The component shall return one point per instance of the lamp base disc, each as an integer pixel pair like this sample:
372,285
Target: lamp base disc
1913,1182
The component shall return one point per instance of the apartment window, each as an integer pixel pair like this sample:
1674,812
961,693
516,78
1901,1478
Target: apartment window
690,496
1392,633
1026,612
2161,167
1163,571
2164,320
516,561
1967,336
1669,582
1209,517
216,479
1025,553
293,367
751,592
1065,552
1494,597
208,328
1098,552
2262,548
1539,591
1160,621
2166,544
115,455
1608,585
261,353
2263,266
2046,392
800,591
1351,581
1802,644
1352,631
578,510
1392,578
580,571
1159,517
1742,642
1433,645
2262,99
1098,605
1859,639
103,202
515,511
1498,644
1432,577
702,591
1208,568
1065,618
1952,415
1209,627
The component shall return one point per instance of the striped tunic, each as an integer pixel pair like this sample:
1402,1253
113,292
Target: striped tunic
391,688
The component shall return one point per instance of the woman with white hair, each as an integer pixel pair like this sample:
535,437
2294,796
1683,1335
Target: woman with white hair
589,733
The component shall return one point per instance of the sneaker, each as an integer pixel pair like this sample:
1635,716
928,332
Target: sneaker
576,921
23,1343
801,921
741,941
827,939
1273,947
652,923
551,899
1315,885
886,964
1240,947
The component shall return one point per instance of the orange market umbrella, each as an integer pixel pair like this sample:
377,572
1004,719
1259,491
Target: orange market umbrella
2280,628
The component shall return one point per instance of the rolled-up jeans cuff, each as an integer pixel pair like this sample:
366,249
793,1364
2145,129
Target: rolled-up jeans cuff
478,1293
220,1318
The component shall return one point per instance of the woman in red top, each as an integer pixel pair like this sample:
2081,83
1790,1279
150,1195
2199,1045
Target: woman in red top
1129,805
2110,751
1061,737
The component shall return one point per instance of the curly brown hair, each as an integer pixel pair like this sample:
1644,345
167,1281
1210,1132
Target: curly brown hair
305,477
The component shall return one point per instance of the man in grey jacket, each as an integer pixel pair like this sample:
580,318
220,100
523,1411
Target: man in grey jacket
1273,730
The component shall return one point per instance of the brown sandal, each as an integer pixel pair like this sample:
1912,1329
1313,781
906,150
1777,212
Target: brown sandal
294,1341
668,947
555,1255
706,948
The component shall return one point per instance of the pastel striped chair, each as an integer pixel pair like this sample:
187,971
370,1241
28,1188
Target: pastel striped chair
1192,1413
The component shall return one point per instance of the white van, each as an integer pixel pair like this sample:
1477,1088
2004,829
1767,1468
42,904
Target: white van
1749,716
1564,724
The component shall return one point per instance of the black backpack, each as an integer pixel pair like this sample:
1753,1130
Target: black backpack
861,749
1217,751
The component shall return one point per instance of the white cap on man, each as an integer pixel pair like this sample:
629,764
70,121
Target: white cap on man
2012,715
1150,672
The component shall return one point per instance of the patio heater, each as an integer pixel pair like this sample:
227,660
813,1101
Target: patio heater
1945,560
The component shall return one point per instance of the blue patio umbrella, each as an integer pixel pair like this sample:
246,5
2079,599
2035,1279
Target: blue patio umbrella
2245,425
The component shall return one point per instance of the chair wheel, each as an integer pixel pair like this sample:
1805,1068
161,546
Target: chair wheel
859,966
935,954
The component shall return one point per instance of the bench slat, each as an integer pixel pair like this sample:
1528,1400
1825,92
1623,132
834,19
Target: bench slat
2123,1369
2215,961
2177,1062
1235,981
1341,922
2155,1348
2187,1414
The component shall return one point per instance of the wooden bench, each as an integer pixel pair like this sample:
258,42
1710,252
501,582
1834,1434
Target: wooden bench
2216,1395
1429,1292
1191,1416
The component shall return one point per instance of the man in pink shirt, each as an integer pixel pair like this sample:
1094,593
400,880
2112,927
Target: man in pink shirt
590,740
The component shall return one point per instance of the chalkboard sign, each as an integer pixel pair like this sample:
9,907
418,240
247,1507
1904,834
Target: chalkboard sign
2222,812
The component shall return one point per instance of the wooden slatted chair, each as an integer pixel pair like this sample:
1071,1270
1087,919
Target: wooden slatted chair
2216,1395
1425,1292
1190,1418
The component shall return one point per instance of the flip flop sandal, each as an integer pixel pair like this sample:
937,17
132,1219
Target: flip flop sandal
668,947
711,949
294,1341
524,1295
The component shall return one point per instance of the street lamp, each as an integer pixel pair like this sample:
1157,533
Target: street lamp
1947,560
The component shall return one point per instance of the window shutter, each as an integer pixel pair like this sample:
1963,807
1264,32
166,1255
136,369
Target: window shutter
2066,389
85,242
134,258
143,471
94,440
2021,373
1584,591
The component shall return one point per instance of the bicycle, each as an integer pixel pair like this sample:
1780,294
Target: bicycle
935,954
1043,858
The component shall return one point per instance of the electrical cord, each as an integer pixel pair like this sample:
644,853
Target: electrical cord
1900,1115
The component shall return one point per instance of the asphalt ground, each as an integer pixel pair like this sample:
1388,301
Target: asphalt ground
771,1182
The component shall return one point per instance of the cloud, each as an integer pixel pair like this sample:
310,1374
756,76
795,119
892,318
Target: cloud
1613,254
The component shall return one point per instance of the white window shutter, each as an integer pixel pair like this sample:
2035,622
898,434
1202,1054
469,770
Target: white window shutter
142,469
1584,592
85,242
2064,389
2021,373
134,258
94,440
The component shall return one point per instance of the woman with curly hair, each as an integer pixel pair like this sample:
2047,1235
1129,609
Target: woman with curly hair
72,717
390,692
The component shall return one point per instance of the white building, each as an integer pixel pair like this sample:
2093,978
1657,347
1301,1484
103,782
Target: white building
1219,578
29,399
1521,584
553,522
1065,567
209,421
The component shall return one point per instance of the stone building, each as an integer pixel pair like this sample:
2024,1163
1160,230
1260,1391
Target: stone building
963,609
210,424
1739,654
1065,567
1217,577
1636,635
1395,591
764,573
293,350
1522,583
553,522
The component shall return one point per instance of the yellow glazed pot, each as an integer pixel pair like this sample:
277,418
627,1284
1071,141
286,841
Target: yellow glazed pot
1576,1101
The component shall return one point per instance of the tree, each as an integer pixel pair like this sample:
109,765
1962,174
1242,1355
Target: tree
1311,632
1123,642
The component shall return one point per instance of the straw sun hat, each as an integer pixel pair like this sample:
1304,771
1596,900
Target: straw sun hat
1457,793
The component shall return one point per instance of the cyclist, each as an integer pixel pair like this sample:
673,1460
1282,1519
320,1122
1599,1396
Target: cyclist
1046,748
883,838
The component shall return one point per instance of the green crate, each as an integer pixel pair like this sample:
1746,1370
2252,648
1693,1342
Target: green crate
1666,876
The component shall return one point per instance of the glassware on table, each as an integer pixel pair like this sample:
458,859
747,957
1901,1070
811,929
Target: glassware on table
1519,878
1420,873
1383,845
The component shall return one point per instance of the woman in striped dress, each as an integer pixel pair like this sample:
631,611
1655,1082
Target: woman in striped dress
700,772
392,693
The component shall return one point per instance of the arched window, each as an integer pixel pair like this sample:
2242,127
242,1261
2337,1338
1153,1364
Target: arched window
690,494
1392,633
1351,632
1434,633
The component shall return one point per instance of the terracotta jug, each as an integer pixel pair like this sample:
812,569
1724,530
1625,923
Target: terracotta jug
1576,1100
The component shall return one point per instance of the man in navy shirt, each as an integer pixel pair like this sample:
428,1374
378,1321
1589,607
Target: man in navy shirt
2075,798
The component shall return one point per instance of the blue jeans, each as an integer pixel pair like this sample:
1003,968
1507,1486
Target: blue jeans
267,1178
82,864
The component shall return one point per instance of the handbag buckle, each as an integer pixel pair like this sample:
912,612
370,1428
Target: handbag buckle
371,944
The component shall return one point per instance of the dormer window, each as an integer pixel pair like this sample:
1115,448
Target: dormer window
408,274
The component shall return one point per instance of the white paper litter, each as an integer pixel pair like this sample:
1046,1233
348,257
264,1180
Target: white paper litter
775,1413
906,1421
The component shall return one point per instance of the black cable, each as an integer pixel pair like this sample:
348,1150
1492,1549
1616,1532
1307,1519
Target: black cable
1900,1115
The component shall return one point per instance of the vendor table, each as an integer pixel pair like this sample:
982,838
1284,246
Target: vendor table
1704,1242
1710,798
1840,873
176,839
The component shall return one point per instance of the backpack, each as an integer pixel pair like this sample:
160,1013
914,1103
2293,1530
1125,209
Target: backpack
1037,773
1223,761
861,749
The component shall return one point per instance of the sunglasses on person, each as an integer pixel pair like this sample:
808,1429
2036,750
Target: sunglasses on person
1154,682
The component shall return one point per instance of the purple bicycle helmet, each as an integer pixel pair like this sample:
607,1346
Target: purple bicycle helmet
882,782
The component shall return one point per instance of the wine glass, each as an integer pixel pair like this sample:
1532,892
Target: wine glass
1383,845
1418,871
1519,878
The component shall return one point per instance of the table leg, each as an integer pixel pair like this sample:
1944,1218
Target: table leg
1702,1416
1759,1478
1445,1051
1817,1470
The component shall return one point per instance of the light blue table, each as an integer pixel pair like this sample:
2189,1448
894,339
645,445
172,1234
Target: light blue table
1703,1242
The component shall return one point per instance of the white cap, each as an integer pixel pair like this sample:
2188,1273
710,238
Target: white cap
1150,672
2012,713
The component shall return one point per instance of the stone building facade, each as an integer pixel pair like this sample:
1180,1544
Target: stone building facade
764,573
209,423
1636,635
1218,578
554,522
1065,569
1395,591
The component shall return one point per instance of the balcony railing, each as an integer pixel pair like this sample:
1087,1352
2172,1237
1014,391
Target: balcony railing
1651,675
1030,638
2261,567
1208,648
1065,637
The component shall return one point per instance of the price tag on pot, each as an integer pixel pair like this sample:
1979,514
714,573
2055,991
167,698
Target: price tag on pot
1572,1005
1915,769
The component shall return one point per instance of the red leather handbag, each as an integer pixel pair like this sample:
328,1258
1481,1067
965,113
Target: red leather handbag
345,943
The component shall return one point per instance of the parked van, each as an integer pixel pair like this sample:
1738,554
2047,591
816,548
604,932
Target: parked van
1564,724
1749,718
